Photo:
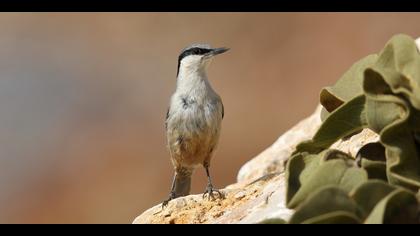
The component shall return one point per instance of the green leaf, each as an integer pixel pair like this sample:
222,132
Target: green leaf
392,88
347,87
400,206
337,217
368,194
345,120
375,169
336,172
299,169
273,221
398,65
371,157
327,204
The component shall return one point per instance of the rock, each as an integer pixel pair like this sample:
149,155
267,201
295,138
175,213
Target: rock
355,142
243,203
259,193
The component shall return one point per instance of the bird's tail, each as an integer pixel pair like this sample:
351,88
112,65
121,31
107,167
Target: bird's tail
182,185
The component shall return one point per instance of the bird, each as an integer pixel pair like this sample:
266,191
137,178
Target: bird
193,120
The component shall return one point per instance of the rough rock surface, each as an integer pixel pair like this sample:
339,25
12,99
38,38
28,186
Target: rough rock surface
259,193
243,203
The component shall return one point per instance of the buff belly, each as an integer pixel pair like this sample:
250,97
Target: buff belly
192,137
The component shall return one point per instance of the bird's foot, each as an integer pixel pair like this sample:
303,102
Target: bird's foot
166,202
210,191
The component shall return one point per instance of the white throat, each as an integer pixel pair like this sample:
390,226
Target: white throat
192,74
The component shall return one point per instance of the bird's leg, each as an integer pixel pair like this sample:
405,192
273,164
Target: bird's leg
210,189
171,194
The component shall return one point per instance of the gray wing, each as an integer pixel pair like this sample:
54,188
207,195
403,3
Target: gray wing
166,120
223,110
218,100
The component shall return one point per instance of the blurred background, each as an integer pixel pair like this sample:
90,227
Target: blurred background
83,99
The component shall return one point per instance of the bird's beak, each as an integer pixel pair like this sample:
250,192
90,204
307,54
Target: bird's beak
216,51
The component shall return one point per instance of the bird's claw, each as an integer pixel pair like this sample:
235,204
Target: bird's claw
166,202
210,190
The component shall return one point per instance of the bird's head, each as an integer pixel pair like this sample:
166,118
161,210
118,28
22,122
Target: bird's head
197,56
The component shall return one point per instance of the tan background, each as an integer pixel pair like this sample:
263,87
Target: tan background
83,99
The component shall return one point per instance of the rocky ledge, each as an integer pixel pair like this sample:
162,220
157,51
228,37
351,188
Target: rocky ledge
259,193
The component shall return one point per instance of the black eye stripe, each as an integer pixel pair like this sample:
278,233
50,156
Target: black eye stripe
194,51
191,51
